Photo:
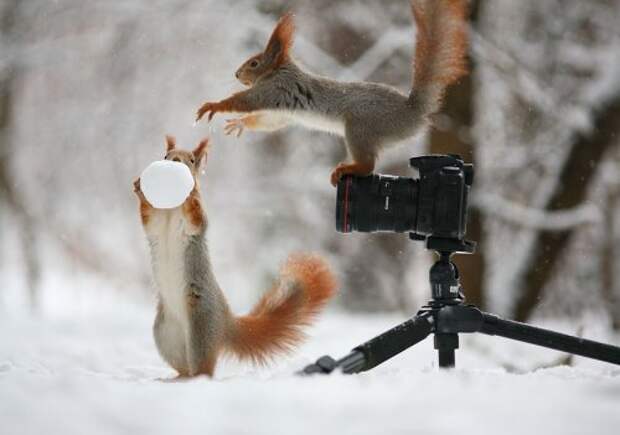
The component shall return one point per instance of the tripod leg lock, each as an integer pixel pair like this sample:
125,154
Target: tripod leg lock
453,319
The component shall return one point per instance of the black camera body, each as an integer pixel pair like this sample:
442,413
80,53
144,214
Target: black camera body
434,205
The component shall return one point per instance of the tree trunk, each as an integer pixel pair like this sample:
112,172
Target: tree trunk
8,195
453,136
610,263
581,166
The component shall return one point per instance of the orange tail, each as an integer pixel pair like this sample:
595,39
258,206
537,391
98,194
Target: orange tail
440,51
275,325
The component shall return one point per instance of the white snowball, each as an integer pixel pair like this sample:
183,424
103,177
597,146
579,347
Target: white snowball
166,184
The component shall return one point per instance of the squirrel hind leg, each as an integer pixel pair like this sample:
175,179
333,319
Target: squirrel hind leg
204,337
363,154
207,366
363,145
354,168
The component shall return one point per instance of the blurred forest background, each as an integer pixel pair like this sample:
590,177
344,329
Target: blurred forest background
88,89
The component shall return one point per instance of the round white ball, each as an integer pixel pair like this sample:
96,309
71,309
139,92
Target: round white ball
166,184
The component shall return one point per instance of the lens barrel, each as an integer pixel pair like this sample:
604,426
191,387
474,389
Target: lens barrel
376,203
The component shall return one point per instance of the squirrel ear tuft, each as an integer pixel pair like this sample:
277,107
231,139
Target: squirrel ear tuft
201,150
170,143
281,40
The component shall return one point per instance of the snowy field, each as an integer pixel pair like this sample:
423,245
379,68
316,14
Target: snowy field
95,370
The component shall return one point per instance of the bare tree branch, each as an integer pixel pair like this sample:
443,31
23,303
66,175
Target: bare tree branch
533,218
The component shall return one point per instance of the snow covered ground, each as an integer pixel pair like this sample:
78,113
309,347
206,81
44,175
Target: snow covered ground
95,370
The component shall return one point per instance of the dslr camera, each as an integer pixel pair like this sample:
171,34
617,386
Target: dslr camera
432,205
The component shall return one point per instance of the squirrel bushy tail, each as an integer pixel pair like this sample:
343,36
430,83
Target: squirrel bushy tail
275,323
440,51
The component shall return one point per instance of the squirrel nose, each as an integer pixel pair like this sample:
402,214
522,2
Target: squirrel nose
237,74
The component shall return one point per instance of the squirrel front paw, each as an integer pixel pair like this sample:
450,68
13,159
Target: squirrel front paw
137,190
210,108
136,185
234,126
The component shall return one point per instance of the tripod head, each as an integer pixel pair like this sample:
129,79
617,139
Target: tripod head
444,276
447,245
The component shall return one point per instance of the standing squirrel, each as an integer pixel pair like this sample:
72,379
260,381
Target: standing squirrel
194,324
370,116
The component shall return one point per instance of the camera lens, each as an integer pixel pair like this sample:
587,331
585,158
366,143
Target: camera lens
376,203
434,205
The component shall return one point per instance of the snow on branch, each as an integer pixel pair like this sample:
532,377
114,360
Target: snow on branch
533,218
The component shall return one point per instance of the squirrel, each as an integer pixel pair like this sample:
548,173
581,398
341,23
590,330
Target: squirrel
370,116
194,324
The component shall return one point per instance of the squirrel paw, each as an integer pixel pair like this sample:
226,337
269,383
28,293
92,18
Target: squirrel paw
234,126
177,378
354,168
138,191
337,173
136,185
210,108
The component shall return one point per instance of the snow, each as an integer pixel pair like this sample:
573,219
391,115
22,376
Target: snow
89,365
166,184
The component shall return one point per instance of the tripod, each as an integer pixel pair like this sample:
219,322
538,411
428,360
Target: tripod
446,316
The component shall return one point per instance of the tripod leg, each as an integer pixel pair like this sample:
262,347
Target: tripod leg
378,349
494,325
446,344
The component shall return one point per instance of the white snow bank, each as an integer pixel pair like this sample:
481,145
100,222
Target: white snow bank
96,373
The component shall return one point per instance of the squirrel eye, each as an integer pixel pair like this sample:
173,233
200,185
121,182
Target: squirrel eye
254,64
